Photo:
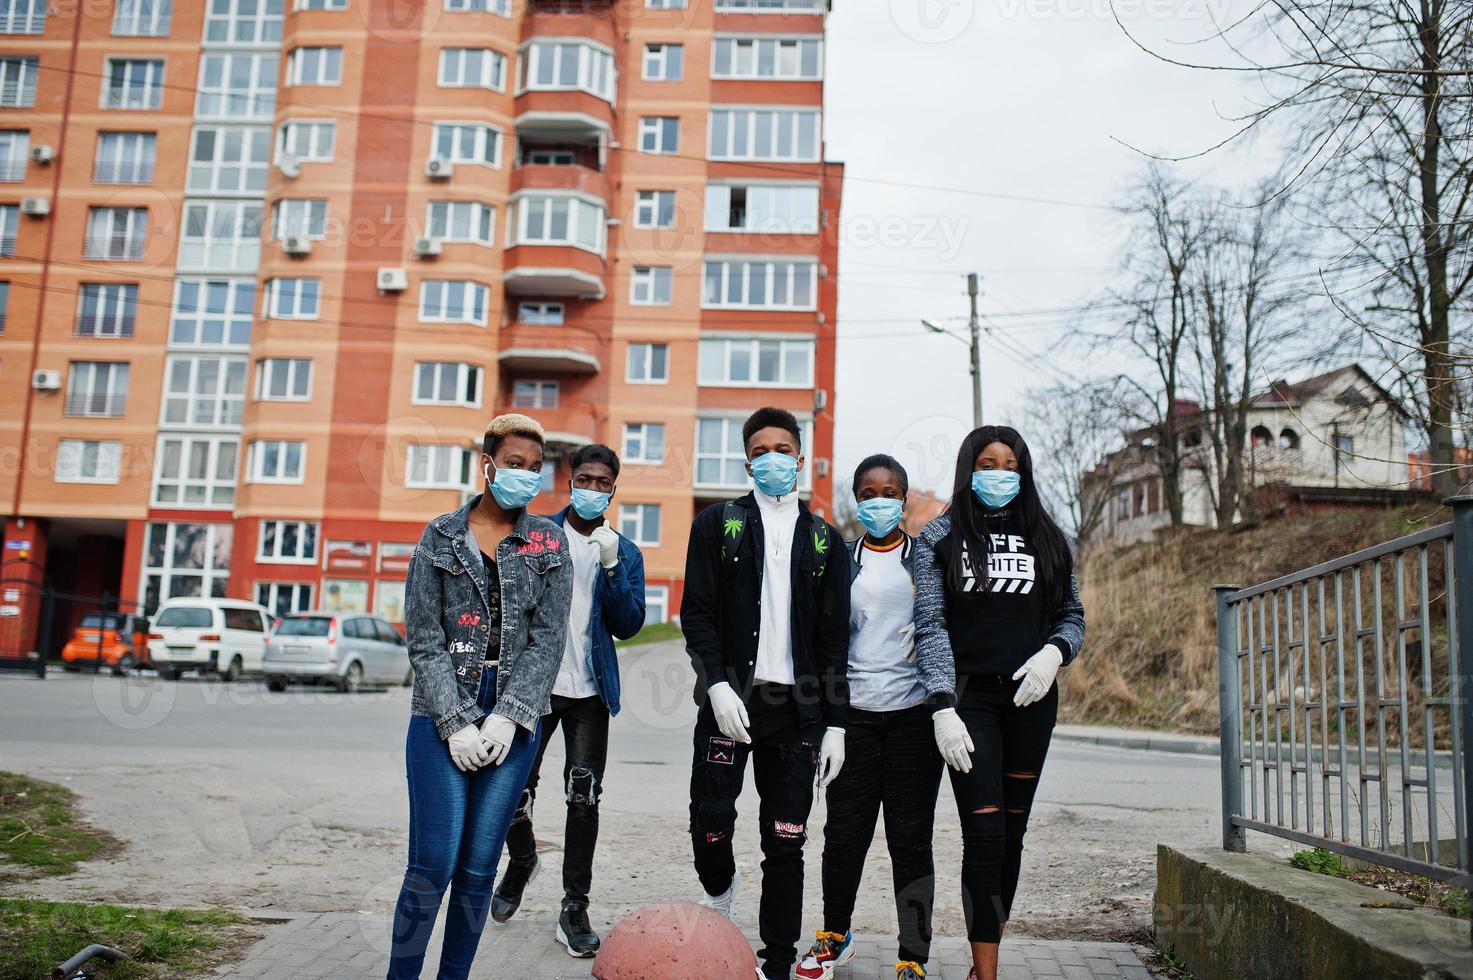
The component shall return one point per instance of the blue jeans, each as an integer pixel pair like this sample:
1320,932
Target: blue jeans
457,826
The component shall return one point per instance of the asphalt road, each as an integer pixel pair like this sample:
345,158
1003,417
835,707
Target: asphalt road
229,795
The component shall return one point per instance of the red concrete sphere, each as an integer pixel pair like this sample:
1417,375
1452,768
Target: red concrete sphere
675,941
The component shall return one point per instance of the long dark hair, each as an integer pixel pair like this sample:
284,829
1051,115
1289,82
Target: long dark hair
968,518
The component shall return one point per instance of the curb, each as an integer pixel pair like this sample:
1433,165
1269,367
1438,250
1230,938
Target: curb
1160,743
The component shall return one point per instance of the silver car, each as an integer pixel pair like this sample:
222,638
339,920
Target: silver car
346,650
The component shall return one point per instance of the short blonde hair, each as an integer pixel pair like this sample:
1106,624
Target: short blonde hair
511,424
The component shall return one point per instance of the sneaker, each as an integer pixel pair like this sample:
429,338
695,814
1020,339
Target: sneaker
575,932
508,897
910,970
722,902
831,950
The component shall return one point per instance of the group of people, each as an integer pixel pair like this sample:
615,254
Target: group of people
858,669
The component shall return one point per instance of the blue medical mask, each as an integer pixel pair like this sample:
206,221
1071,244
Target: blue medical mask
590,504
513,488
775,473
880,515
995,488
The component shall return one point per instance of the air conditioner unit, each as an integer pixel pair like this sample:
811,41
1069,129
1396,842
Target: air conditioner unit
42,154
296,245
37,207
823,466
46,380
289,165
820,399
427,248
823,270
391,280
439,168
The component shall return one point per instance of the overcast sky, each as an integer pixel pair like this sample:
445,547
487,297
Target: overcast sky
937,105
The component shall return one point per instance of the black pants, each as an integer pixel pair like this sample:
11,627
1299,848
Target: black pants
585,723
890,759
995,798
785,760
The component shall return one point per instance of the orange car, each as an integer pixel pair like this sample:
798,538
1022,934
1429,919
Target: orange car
107,639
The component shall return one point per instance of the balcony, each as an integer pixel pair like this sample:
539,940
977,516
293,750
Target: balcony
533,351
555,271
565,428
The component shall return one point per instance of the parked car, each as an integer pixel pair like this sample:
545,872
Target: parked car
115,640
346,650
207,635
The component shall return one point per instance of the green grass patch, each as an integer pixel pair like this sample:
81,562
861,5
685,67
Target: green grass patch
656,633
1321,862
41,831
35,936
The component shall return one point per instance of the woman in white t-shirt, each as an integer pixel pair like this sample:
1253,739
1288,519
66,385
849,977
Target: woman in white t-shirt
891,759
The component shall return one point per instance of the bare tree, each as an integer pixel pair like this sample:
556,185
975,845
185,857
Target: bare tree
1072,428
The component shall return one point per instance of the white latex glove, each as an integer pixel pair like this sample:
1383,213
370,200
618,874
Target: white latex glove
731,714
607,540
908,641
1037,675
468,750
952,739
830,756
498,731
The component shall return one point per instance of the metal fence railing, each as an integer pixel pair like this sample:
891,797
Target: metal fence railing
1345,704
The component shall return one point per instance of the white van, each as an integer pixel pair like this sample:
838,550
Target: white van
224,636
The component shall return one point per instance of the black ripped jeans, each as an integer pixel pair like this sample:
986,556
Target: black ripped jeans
785,759
995,798
585,724
890,759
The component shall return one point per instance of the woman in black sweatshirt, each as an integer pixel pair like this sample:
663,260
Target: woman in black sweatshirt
996,598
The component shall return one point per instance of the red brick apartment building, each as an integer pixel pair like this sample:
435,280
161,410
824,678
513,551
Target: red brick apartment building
269,266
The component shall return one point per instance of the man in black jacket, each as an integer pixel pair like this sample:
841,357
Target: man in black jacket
766,620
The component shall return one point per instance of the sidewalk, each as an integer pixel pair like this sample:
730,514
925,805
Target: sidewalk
343,945
1138,738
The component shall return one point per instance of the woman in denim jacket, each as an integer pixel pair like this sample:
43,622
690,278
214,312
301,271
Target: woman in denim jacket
485,636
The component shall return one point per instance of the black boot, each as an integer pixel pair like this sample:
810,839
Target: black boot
575,932
508,897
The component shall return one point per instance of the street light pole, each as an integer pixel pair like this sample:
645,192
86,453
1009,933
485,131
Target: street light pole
976,344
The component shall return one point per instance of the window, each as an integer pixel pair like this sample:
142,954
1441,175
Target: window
321,5
721,457
564,65
659,134
285,597
447,383
115,233
502,7
1344,445
472,68
309,142
301,217
88,461
185,560
195,471
461,221
640,523
664,62
468,143
292,299
1122,503
644,442
14,149
650,285
764,134
665,4
221,236
23,16
98,389
771,6
746,361
766,208
142,18
1288,439
654,209
284,379
124,158
314,66
4,303
768,57
648,364
275,461
9,220
782,284
453,301
548,158
212,313
133,83
534,394
203,391
439,467
656,598
107,309
229,160
236,86
18,82
557,220
540,314
293,542
243,21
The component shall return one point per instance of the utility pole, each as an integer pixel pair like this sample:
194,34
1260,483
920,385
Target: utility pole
976,344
